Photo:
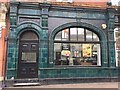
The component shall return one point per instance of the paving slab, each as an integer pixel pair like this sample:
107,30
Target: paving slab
83,86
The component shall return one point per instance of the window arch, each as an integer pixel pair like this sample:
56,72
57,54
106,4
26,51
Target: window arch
76,46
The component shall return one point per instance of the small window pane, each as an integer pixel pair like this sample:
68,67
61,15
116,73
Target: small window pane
80,34
28,57
58,36
95,37
25,47
57,53
65,35
33,47
73,34
76,50
88,35
57,46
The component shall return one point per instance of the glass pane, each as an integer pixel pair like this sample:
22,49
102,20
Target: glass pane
65,46
80,34
77,54
28,57
95,37
75,50
57,53
57,46
73,34
88,35
29,36
58,36
65,34
85,54
33,47
25,47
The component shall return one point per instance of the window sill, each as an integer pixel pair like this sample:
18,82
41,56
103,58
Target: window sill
79,66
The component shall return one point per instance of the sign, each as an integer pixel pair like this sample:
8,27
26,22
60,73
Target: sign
87,50
65,47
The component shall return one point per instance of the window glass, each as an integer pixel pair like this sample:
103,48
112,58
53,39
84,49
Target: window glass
57,53
29,57
65,34
80,34
77,47
95,37
89,35
73,34
78,54
58,36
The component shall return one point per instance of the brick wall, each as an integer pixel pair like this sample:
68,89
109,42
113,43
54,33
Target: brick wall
3,32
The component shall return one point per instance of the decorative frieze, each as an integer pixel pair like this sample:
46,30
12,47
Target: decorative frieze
27,19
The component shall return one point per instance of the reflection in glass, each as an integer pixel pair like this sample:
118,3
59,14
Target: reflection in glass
89,35
28,56
57,48
76,47
73,34
95,37
80,34
80,54
76,34
65,34
58,36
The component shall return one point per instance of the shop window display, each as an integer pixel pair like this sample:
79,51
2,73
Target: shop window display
77,46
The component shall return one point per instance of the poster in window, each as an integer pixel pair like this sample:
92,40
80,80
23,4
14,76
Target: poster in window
87,50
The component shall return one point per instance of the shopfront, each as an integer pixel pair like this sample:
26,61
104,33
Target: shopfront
52,41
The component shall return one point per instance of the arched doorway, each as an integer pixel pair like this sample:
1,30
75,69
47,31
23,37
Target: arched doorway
28,55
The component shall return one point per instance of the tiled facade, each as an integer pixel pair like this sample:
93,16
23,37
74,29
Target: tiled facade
47,19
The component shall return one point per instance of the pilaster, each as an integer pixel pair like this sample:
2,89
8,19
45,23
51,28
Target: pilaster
44,40
111,41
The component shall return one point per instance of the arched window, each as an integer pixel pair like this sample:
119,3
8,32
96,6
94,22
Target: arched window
76,46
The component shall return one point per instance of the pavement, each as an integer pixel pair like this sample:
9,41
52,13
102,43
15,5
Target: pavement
86,86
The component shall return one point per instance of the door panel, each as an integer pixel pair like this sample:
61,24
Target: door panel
28,59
